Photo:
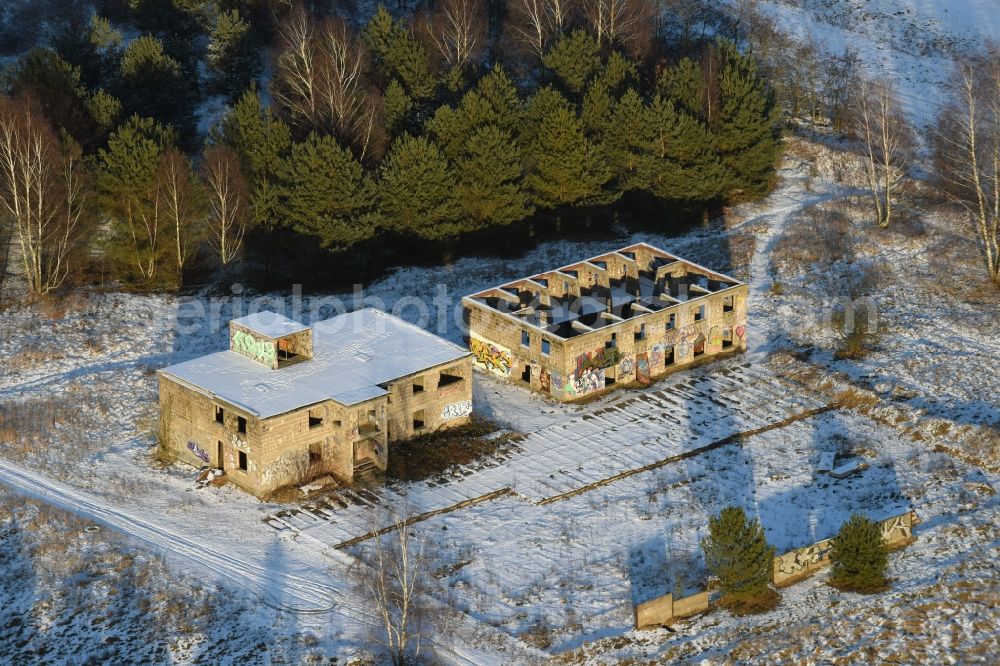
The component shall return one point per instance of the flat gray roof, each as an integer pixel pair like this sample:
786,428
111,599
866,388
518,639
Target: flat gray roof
270,324
352,354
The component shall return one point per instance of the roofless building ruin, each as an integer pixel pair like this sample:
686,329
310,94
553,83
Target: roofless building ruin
630,315
289,403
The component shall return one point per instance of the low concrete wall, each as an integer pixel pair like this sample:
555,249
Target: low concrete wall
801,563
665,609
789,568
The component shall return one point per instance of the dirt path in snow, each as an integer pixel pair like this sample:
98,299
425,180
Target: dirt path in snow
279,589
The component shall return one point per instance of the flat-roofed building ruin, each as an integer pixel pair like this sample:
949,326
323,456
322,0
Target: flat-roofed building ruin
630,315
289,403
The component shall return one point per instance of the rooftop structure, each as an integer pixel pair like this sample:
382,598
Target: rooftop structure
628,315
287,402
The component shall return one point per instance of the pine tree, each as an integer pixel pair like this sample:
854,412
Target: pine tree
746,127
55,84
259,138
232,54
398,54
128,194
618,74
493,102
859,557
325,193
737,553
153,86
397,107
564,167
417,190
105,109
574,60
490,176
596,111
629,136
683,85
682,159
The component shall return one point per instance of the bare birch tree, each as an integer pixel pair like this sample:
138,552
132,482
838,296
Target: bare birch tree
395,580
536,23
456,30
296,76
887,141
620,22
41,192
182,202
340,73
968,152
228,203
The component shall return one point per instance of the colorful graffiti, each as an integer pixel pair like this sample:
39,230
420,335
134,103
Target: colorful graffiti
491,356
597,360
198,451
456,410
656,356
587,381
741,330
261,351
683,349
556,383
642,370
715,337
544,381
626,367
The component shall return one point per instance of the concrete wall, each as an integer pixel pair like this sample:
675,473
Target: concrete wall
322,439
437,405
664,610
577,367
795,565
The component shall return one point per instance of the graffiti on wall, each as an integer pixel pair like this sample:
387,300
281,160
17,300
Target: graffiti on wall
801,562
597,360
715,337
456,410
656,357
642,369
626,367
898,529
556,383
198,451
492,357
796,564
261,351
544,381
586,381
239,443
741,330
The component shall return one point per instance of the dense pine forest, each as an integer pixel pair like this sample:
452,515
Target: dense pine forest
164,143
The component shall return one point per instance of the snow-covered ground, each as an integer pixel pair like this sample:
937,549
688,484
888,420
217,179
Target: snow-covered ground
911,42
596,506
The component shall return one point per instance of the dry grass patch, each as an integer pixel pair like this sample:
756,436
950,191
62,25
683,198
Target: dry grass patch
432,454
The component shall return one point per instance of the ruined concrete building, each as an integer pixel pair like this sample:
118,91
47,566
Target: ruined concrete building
288,403
626,316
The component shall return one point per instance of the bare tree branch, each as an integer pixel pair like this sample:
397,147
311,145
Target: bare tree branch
888,143
228,209
296,77
41,192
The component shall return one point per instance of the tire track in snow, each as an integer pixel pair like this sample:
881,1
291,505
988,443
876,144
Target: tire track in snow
278,589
